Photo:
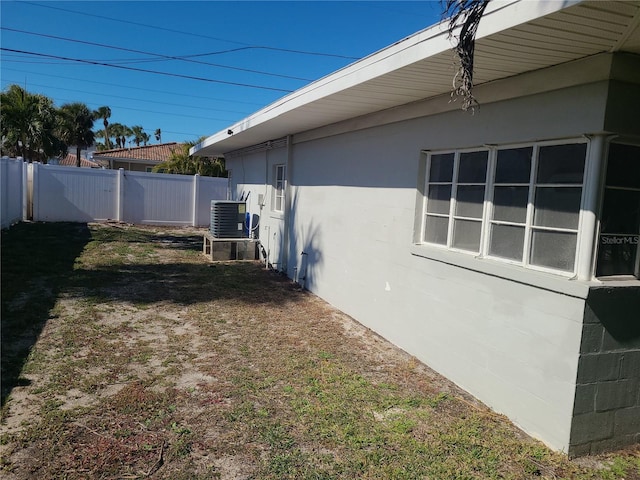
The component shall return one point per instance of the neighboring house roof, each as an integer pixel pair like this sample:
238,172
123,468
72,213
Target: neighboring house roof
514,37
146,154
70,160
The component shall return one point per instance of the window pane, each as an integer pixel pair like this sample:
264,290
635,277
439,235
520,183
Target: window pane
553,249
617,255
510,204
623,169
620,220
441,168
513,165
507,241
466,235
557,207
561,163
280,173
438,199
473,167
435,230
470,201
620,211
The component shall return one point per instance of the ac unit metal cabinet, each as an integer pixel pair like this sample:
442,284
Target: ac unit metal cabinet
227,219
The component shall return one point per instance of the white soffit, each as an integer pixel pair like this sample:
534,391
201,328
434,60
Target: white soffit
514,37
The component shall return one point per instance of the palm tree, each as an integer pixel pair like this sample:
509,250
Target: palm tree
28,125
126,132
117,130
181,162
120,132
45,142
158,134
104,113
138,134
76,127
145,138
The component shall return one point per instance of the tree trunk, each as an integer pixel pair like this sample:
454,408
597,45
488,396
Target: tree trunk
78,149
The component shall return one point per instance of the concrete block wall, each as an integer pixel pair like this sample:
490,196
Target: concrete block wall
606,412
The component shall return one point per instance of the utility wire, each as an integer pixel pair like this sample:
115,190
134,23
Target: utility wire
166,57
147,90
181,105
247,46
134,69
151,111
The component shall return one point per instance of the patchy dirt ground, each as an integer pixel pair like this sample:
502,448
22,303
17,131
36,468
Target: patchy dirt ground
126,354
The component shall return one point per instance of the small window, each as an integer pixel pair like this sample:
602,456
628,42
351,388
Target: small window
620,219
510,200
556,205
455,199
279,188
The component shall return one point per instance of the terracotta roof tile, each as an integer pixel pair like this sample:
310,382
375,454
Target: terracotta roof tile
153,153
70,161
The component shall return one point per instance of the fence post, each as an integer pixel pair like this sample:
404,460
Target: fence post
25,190
120,195
35,192
4,205
196,192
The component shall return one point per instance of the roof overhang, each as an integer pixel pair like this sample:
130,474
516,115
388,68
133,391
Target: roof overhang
514,37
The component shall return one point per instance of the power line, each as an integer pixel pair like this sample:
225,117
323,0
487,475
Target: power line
152,111
134,69
181,105
246,45
166,57
147,90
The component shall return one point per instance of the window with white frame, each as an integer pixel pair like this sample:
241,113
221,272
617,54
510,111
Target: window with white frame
280,179
618,248
516,204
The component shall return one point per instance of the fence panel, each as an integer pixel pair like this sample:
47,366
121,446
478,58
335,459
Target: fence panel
65,194
12,189
209,189
158,199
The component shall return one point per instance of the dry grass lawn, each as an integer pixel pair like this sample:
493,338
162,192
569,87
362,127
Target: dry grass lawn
127,355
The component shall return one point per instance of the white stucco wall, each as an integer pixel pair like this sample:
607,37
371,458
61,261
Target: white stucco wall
512,345
252,176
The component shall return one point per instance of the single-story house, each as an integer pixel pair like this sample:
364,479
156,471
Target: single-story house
137,159
499,247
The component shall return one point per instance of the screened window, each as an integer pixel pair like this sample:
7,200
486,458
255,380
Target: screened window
520,205
279,188
620,219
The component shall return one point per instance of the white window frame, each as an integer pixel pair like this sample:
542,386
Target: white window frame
451,215
488,207
279,187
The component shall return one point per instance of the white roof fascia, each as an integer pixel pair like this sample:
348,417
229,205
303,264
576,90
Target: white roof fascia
499,16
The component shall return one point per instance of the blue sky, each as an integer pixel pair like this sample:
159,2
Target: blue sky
175,43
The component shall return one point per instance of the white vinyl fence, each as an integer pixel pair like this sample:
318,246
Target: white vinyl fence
13,178
67,194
